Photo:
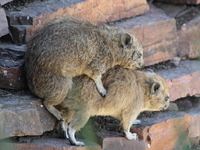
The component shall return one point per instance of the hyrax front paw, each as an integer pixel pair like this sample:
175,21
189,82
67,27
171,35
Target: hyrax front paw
100,87
78,143
103,92
131,136
136,122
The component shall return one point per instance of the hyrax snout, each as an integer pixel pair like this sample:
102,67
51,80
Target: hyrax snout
68,47
129,93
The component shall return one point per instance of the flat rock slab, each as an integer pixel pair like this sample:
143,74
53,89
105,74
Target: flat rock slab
12,74
22,115
3,23
48,144
169,130
2,2
121,143
181,1
37,14
188,25
183,80
188,38
157,33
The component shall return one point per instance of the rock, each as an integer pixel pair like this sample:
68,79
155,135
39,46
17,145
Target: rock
188,38
23,115
169,130
188,25
48,144
196,2
176,61
2,2
37,14
172,10
183,80
162,44
19,33
121,143
194,130
171,134
24,140
12,74
3,23
184,104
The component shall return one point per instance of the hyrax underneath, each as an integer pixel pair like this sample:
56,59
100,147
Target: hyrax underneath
68,47
129,93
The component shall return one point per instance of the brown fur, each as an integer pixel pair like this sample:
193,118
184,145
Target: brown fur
67,47
129,93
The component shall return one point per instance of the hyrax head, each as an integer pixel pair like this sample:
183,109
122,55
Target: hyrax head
129,51
157,94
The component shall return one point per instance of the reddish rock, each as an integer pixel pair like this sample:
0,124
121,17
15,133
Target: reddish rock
37,14
18,33
164,131
121,143
194,128
2,2
181,1
23,115
157,33
188,38
47,144
183,80
3,23
12,74
173,10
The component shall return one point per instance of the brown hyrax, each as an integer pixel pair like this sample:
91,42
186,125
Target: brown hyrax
129,93
68,47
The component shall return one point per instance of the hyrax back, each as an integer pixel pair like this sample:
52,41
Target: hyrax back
68,47
129,93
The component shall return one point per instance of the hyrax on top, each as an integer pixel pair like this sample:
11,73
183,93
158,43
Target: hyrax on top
68,47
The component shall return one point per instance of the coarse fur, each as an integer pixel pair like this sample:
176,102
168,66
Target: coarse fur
129,93
68,47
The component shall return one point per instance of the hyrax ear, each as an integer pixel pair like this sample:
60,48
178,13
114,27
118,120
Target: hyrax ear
126,39
155,88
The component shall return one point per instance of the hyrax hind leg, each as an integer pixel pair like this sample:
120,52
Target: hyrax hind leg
64,124
78,121
58,89
50,107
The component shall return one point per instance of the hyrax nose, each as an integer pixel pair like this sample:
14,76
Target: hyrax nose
142,65
165,106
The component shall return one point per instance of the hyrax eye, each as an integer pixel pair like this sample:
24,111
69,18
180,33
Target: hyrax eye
139,55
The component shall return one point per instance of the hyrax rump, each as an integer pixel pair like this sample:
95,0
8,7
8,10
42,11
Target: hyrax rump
67,47
129,93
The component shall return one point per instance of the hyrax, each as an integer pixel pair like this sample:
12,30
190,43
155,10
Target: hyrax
67,47
129,93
